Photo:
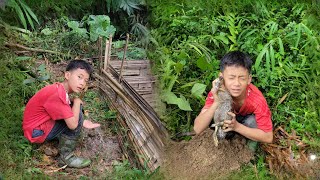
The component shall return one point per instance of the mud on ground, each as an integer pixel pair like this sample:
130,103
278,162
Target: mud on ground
200,159
102,148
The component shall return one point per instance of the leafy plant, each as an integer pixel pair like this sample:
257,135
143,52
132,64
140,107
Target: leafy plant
100,26
25,14
77,30
126,5
42,75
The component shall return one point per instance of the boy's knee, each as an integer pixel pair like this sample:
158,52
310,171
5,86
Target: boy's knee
250,121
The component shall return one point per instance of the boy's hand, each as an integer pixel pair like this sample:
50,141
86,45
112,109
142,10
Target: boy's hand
230,125
90,125
215,87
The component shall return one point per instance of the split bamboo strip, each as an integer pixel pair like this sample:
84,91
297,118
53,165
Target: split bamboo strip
145,107
141,149
100,51
106,52
123,133
109,52
124,57
144,140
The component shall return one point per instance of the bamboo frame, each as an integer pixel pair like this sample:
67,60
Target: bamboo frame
145,130
124,57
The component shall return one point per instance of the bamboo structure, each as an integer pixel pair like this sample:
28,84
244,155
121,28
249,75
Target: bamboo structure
143,127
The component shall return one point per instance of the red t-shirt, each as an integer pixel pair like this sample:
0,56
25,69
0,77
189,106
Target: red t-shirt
51,103
255,103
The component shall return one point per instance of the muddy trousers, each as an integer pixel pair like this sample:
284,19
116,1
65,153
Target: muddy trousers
68,139
61,128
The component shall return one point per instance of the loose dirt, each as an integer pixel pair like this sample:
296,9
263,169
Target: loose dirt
200,159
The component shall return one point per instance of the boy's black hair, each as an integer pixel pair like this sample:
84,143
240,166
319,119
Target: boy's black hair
236,58
79,64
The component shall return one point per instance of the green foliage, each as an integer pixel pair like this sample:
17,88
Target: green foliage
95,105
98,26
123,170
252,171
279,37
133,52
24,13
42,75
16,151
127,6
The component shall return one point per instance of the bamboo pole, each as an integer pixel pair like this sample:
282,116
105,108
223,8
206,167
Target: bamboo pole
106,53
142,146
124,57
109,52
100,52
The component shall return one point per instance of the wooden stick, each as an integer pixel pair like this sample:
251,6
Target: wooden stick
112,80
109,52
124,57
56,170
34,49
100,52
106,53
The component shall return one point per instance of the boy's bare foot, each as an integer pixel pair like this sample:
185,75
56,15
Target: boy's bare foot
90,125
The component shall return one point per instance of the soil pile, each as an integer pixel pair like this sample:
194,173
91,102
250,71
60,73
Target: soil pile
200,159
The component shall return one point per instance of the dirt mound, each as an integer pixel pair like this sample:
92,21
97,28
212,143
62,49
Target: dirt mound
200,159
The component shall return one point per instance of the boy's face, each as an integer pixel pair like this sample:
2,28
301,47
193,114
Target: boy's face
77,80
236,79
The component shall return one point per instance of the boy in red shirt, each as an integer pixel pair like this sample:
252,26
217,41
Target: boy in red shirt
251,116
49,114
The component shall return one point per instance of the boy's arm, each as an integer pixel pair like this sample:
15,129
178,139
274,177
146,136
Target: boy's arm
203,120
72,122
254,134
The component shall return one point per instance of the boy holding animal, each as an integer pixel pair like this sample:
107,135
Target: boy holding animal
251,116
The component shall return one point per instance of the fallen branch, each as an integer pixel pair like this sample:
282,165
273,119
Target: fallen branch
33,49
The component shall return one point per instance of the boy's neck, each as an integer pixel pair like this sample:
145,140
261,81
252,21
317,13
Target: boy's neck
66,86
238,101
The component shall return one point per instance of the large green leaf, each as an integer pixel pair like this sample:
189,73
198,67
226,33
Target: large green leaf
183,104
198,89
73,24
202,63
170,98
23,58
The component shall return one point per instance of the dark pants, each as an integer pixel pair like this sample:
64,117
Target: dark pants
249,121
61,127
